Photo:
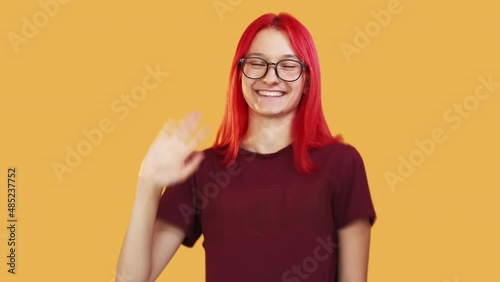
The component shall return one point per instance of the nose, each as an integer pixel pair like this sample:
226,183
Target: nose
271,77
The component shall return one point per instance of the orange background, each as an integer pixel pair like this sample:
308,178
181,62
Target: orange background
436,222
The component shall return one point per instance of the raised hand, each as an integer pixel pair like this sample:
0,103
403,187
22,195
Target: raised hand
171,158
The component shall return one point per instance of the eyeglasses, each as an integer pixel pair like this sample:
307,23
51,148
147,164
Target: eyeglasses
287,70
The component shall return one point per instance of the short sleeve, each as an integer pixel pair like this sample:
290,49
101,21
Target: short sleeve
352,198
178,207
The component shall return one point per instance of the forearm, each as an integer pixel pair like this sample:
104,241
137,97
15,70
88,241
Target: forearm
134,263
354,246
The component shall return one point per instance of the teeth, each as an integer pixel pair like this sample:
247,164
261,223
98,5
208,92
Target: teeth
271,93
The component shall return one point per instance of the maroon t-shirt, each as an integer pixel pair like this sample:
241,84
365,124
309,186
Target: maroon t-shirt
263,221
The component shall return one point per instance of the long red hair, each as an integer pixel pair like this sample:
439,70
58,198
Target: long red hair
309,129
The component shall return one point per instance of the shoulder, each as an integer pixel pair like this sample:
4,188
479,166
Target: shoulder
338,159
212,155
338,152
211,159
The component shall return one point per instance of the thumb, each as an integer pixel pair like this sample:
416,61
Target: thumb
192,164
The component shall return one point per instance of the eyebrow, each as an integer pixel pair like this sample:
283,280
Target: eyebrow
284,56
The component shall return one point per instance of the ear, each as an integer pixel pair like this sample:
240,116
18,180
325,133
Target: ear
306,85
307,79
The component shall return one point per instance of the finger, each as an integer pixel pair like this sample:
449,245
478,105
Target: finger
194,142
188,126
192,165
168,128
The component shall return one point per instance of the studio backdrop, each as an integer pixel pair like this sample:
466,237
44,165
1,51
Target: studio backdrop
86,85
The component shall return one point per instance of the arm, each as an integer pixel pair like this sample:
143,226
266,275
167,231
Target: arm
166,240
150,243
354,246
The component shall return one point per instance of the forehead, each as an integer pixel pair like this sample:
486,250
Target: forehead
272,44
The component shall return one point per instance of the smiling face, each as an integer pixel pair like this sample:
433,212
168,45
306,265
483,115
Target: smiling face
270,96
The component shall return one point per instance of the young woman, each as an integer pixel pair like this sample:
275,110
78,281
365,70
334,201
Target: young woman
277,197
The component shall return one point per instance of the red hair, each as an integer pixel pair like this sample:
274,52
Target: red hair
309,128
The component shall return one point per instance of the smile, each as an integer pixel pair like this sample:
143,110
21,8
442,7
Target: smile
270,93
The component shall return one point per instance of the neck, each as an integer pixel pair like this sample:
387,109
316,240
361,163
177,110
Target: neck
267,134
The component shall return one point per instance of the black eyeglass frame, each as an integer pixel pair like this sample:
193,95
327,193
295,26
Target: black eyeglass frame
303,64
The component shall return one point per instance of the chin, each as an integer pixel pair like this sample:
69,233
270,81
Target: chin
274,113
